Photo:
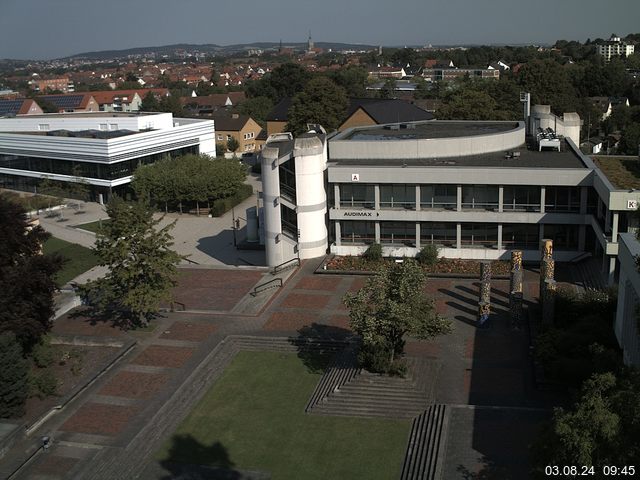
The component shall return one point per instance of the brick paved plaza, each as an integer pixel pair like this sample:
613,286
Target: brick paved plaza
488,367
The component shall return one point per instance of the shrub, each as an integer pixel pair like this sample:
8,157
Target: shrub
222,205
373,253
43,384
428,255
42,354
13,377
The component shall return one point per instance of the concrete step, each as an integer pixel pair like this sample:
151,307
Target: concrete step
380,393
391,403
425,444
364,412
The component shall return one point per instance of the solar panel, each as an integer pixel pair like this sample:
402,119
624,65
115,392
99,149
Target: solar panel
10,106
64,102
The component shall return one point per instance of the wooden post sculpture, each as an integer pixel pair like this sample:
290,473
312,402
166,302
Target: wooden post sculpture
515,290
547,282
484,303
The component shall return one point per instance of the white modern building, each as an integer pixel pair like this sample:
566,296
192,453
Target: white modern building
103,149
474,189
615,47
627,326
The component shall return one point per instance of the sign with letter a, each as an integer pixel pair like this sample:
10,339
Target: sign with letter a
355,177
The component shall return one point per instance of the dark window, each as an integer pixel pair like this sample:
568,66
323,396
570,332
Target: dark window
357,195
439,196
479,235
399,233
521,198
398,196
480,197
359,233
443,234
519,235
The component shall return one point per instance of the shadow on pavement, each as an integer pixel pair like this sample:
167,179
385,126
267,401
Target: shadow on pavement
318,343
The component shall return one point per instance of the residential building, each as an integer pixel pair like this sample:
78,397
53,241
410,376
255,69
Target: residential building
475,189
449,73
241,127
19,106
387,72
118,100
102,149
72,102
209,104
62,84
614,47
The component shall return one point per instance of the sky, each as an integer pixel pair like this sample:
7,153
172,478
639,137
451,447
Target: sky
46,29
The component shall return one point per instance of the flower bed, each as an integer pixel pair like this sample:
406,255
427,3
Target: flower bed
453,266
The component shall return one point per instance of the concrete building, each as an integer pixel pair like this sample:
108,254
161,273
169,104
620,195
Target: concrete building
241,127
101,149
627,326
474,189
614,47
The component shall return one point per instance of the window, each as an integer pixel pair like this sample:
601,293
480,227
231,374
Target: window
480,197
103,126
219,137
439,196
565,237
524,236
398,196
562,199
521,198
43,127
113,126
398,233
443,234
359,233
228,137
289,222
356,195
479,235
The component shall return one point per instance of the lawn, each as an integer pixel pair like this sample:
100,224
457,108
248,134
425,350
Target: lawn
93,226
253,419
80,259
622,172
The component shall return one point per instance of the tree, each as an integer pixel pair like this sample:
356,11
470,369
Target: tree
142,265
630,141
233,145
14,386
257,108
353,79
321,102
171,104
26,277
150,103
388,90
391,305
469,105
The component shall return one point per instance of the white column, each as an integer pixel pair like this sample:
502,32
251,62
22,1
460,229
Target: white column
338,233
377,227
417,197
271,205
458,235
500,199
459,198
336,195
376,197
418,235
499,236
614,227
543,192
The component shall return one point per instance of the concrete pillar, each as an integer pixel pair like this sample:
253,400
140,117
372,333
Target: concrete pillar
336,195
499,236
614,227
500,199
541,232
607,220
376,197
459,198
418,235
543,192
612,271
417,197
377,227
583,200
271,206
458,235
582,233
338,233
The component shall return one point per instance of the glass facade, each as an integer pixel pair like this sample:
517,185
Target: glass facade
439,197
562,199
481,197
521,198
398,233
357,233
353,195
289,222
287,172
100,171
522,236
443,234
398,196
479,235
565,237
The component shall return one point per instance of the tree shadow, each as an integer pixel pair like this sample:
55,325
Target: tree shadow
117,318
318,344
187,458
489,471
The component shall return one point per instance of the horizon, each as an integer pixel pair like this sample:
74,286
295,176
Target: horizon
79,28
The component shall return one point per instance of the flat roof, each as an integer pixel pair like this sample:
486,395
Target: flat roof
87,114
622,172
428,129
528,158
91,133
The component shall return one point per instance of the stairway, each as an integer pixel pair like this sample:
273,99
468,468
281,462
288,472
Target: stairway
425,444
372,395
588,276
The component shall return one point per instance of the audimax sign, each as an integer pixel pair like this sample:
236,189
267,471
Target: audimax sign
360,214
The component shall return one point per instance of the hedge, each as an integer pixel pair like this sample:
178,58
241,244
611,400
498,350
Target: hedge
222,205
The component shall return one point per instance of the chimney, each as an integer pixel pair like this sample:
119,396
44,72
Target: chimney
235,115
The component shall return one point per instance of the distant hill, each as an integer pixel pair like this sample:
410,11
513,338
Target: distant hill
211,49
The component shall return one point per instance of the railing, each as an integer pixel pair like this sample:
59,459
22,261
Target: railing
285,265
187,259
273,283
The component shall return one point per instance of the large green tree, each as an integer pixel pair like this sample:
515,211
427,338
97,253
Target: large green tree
14,386
322,102
26,277
141,263
393,304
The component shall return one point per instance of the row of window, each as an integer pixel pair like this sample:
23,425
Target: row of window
101,171
475,197
525,236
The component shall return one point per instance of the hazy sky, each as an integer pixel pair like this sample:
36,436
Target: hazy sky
40,29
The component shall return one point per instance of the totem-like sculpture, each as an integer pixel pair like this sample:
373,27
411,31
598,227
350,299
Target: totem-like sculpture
484,303
547,282
515,290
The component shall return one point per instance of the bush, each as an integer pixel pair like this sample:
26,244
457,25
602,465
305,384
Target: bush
13,377
373,253
428,255
42,354
222,205
43,384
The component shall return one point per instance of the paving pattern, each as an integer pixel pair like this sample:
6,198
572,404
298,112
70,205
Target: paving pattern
113,430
